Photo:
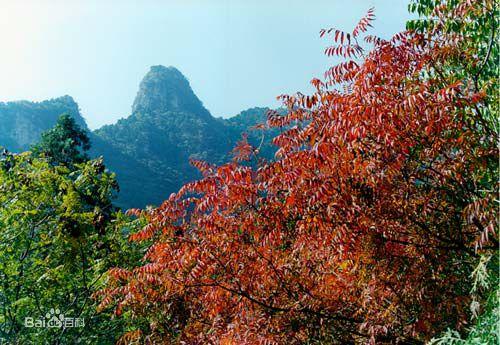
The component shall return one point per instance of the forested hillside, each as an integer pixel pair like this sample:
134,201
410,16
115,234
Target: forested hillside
150,149
167,127
22,122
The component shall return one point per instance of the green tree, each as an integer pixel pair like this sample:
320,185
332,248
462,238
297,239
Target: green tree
477,65
66,143
59,234
477,69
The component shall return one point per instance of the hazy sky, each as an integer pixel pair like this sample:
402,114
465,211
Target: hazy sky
236,54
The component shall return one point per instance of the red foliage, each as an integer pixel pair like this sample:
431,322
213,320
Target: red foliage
353,233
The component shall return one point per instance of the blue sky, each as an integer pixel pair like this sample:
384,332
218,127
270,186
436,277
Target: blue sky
236,54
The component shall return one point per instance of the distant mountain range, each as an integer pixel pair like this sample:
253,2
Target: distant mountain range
149,150
22,122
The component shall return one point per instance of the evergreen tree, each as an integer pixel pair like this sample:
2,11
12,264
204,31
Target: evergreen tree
65,144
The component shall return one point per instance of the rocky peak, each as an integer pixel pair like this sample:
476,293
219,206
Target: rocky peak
165,89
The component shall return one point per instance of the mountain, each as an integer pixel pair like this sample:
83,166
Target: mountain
22,122
150,149
168,124
167,127
243,123
165,89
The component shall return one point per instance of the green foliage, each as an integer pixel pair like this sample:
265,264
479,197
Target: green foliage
66,143
59,234
487,327
481,42
485,330
476,68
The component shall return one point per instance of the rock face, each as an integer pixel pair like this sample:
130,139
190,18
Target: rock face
149,150
165,89
22,122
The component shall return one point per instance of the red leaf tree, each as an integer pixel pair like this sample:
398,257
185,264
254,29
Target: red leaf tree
360,231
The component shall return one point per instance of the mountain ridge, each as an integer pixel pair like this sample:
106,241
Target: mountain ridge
150,149
22,122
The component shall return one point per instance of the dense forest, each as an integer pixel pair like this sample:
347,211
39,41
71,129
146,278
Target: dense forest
363,213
